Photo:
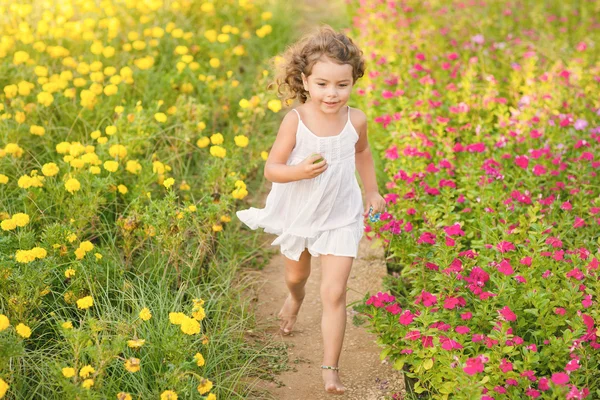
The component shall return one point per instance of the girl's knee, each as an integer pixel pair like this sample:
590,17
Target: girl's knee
333,294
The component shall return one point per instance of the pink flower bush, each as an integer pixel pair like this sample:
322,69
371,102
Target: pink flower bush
491,156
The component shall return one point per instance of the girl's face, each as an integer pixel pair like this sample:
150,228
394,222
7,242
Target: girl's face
329,85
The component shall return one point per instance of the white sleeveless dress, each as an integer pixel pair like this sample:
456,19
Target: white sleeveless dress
323,214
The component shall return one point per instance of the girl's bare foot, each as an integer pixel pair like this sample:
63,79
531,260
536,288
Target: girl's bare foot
288,314
332,382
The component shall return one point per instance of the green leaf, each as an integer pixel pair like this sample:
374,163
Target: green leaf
427,364
385,353
399,364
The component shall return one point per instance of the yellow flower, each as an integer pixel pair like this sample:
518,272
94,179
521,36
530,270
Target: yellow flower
68,372
67,325
37,130
199,359
211,396
23,330
190,326
192,208
79,253
204,386
244,103
207,7
4,322
50,169
86,245
8,224
85,302
111,166
133,166
145,314
217,138
168,395
266,15
88,383
225,218
199,314
203,142
176,318
218,151
72,185
160,117
136,343
274,105
3,179
132,364
122,189
21,219
45,98
123,396
86,371
3,388
214,62
168,182
117,150
241,140
69,272
217,228
110,130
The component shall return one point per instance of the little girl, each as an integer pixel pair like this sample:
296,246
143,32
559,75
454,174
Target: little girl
315,204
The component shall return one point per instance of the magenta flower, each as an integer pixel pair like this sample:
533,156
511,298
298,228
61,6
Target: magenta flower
426,237
505,268
505,246
507,314
454,230
505,365
543,384
392,153
522,161
539,170
475,364
579,223
462,330
560,378
572,365
406,318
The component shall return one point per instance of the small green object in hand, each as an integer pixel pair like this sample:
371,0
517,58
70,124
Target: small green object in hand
319,160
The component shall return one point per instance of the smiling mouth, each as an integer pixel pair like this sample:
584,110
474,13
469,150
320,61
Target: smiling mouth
330,103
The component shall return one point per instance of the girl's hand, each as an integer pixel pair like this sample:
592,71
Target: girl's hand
375,201
309,167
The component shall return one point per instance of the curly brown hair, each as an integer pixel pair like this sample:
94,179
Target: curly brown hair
301,56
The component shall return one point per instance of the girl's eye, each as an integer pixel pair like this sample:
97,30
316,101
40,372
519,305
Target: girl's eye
321,84
343,85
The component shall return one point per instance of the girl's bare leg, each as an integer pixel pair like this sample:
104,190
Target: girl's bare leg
335,271
296,275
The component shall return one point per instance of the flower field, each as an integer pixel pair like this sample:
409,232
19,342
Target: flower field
128,131
486,118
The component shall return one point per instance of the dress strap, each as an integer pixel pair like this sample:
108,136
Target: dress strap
297,113
348,113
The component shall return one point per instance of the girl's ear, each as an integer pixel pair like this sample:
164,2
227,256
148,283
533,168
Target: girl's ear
304,81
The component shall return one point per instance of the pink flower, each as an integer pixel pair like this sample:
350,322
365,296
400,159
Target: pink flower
543,384
526,261
462,330
559,311
412,335
475,364
392,153
560,378
505,246
522,161
532,393
454,230
427,298
566,206
466,316
579,223
539,170
505,365
587,301
572,365
426,237
507,314
406,318
505,268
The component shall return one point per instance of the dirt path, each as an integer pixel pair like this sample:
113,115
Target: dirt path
361,371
